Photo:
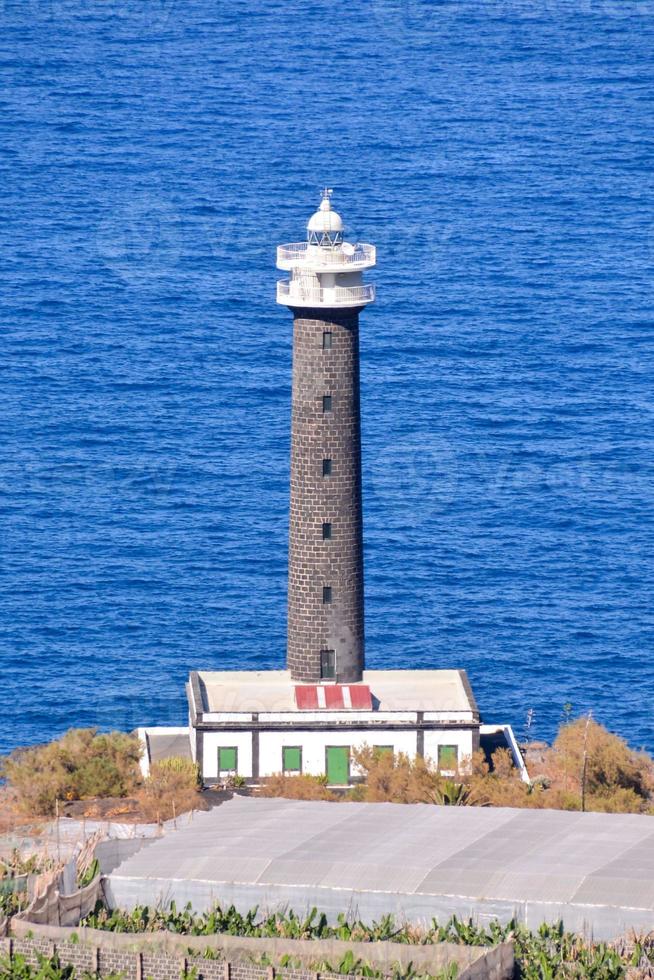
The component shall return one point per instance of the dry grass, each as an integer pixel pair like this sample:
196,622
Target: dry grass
12,817
173,787
618,779
81,764
89,774
296,788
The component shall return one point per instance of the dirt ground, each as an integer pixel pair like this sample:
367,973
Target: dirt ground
123,810
10,816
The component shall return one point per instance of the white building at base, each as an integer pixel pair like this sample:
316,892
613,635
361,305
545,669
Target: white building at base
257,724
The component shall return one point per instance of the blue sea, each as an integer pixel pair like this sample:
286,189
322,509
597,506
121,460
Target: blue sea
500,155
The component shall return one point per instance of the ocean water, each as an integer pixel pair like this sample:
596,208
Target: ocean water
153,154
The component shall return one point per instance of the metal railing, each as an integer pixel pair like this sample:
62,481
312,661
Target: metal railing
295,291
298,253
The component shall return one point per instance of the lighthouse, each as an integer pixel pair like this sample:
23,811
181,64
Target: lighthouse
311,717
326,294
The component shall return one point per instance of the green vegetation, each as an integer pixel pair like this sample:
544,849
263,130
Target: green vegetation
18,864
85,764
13,883
171,788
48,968
12,902
88,874
586,767
549,953
80,765
351,965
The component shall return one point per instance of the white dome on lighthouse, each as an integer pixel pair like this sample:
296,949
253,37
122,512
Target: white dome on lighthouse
325,219
325,227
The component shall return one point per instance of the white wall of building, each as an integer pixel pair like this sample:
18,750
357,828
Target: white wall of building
374,719
314,745
144,761
223,716
448,717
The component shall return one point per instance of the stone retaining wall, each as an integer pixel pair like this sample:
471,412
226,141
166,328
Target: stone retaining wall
165,956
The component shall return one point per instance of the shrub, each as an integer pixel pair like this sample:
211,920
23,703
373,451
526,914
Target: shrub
395,778
171,788
303,787
82,764
451,793
618,779
500,784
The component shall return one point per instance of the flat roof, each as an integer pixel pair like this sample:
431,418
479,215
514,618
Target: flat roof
165,744
593,870
392,690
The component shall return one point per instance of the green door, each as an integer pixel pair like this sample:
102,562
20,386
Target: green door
338,765
292,758
227,760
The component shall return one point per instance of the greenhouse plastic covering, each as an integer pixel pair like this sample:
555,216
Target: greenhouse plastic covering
61,839
593,870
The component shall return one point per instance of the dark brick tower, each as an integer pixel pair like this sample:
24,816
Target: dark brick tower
325,575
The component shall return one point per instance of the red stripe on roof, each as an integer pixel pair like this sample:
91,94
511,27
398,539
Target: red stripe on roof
333,696
306,697
361,697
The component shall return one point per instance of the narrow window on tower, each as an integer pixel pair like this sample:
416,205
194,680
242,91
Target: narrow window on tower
326,594
327,340
326,403
327,665
326,467
326,531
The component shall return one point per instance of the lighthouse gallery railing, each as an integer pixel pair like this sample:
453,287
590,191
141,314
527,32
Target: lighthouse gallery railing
331,295
363,255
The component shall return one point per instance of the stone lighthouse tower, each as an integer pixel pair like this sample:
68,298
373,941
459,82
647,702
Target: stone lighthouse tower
325,577
312,717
